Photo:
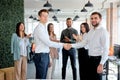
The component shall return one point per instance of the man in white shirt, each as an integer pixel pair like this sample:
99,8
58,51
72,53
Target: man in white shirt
98,47
42,44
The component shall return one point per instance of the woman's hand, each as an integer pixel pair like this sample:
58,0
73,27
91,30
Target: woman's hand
28,35
75,36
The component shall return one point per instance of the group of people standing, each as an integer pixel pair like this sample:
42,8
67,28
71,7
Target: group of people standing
92,46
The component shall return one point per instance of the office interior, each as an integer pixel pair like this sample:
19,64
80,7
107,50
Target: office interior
27,11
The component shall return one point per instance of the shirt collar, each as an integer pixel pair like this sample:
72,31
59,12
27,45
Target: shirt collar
69,27
42,24
98,27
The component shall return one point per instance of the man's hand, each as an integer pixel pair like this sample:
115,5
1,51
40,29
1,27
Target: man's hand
67,46
100,68
66,39
33,47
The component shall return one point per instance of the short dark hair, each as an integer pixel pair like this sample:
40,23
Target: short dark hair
100,16
68,19
43,10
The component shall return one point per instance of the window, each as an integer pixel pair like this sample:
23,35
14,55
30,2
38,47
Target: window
118,25
58,27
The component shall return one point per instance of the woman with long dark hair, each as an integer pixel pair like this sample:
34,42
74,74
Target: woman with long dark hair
19,47
83,52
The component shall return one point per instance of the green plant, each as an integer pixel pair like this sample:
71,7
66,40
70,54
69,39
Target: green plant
11,12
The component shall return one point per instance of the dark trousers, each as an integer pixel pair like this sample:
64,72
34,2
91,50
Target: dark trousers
93,64
72,54
41,61
83,59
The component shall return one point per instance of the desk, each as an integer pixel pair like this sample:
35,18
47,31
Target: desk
116,62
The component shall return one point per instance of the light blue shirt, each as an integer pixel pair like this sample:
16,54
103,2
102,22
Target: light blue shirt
42,40
15,47
98,43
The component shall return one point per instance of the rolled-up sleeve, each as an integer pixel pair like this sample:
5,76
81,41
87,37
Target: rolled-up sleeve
105,45
79,44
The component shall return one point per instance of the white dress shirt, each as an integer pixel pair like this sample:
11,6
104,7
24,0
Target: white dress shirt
42,40
98,43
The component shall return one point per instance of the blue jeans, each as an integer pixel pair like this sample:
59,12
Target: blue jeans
72,54
41,61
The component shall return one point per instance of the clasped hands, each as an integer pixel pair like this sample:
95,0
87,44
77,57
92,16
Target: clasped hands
67,46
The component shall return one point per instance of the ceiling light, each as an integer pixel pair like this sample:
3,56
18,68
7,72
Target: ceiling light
89,4
53,10
77,16
58,10
74,19
35,18
54,17
47,4
31,17
84,10
50,9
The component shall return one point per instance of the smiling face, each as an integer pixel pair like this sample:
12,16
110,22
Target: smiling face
51,29
43,17
95,20
69,22
22,27
83,29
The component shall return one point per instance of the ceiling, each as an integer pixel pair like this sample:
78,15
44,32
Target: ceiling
69,8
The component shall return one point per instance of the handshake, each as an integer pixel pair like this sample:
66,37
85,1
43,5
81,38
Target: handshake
67,46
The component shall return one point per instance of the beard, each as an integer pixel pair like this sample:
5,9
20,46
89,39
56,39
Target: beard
95,25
